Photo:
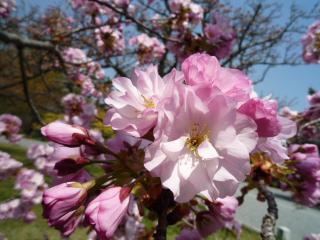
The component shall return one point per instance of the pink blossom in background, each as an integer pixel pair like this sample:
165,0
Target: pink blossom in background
221,213
41,155
78,111
31,184
110,39
17,209
63,206
313,112
8,165
75,56
312,236
6,7
10,127
221,35
203,147
305,160
150,49
65,134
107,210
189,234
311,44
193,11
135,103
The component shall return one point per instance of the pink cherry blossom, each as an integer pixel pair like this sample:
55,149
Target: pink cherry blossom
110,39
75,56
6,7
312,236
10,127
63,206
311,44
221,35
77,111
41,155
30,183
135,103
221,213
149,48
16,209
107,210
8,165
264,113
275,146
203,147
201,69
65,134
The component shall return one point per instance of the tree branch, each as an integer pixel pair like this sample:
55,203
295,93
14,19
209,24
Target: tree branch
26,87
269,220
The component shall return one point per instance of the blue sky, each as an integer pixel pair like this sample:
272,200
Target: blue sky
283,82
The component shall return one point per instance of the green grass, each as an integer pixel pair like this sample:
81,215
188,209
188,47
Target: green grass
39,229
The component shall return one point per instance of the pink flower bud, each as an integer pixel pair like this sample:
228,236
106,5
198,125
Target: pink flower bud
107,210
62,205
65,134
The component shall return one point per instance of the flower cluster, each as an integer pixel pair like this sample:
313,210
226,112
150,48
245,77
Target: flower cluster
149,48
305,160
311,44
6,7
77,111
195,129
8,165
10,126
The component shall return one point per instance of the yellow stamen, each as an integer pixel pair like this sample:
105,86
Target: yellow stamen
148,102
196,138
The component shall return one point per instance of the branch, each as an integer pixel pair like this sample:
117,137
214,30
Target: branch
269,220
137,22
26,87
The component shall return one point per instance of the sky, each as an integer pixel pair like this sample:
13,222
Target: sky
289,83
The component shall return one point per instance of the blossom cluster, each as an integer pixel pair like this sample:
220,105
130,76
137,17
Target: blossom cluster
311,44
195,129
30,185
6,7
10,126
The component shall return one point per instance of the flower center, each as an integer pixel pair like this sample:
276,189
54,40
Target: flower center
148,102
196,137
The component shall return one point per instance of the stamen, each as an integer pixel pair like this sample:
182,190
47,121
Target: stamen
197,136
148,102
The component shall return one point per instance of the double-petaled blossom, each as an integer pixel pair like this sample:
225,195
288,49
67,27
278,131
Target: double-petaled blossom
204,145
8,165
221,214
264,113
31,184
203,69
311,44
149,48
77,110
63,205
65,134
10,126
221,35
135,103
275,146
107,210
6,7
75,56
305,161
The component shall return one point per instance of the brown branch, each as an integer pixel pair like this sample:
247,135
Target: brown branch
269,220
134,20
26,86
